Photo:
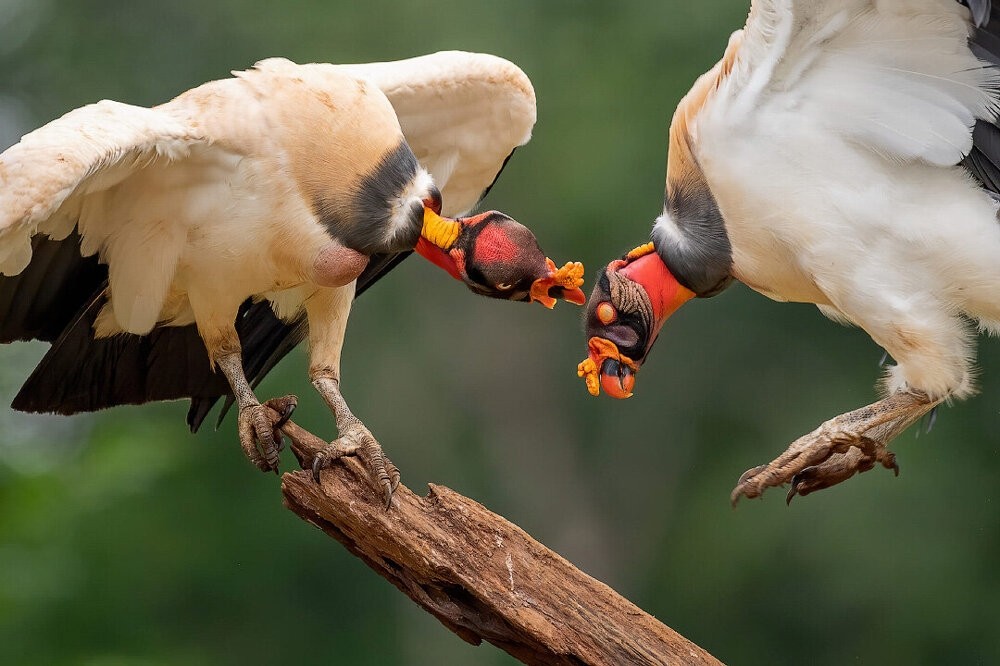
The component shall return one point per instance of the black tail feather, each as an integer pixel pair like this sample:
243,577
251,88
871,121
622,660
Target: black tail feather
40,301
82,374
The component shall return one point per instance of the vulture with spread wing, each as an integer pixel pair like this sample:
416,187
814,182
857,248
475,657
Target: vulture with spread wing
844,153
153,247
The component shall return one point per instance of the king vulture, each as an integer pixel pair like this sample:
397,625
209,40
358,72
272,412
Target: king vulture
155,246
844,153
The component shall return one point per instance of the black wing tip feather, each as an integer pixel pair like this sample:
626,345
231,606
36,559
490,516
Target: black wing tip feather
981,11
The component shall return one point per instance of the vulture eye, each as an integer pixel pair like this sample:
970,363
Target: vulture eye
606,313
503,286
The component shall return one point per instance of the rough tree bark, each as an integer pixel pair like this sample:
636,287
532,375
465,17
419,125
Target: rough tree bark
483,577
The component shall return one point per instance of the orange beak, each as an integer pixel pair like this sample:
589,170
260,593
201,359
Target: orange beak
605,367
567,279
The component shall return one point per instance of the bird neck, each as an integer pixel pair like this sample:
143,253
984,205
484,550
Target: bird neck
445,260
666,294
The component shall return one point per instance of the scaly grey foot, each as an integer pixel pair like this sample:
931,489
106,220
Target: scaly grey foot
840,467
840,448
260,435
356,440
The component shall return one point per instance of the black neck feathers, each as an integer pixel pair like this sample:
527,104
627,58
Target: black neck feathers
691,238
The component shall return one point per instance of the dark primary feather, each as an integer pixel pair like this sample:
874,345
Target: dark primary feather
80,373
40,301
981,10
57,298
983,161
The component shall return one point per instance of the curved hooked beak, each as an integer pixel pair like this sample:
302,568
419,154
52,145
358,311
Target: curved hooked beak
606,367
562,283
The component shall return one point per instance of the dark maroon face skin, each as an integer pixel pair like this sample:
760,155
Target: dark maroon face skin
628,323
501,258
498,257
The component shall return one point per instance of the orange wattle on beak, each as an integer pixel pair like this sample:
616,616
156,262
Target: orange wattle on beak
569,279
605,367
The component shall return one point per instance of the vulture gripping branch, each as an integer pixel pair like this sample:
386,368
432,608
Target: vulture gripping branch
481,576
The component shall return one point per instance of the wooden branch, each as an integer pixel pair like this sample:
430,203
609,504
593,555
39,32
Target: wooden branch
483,577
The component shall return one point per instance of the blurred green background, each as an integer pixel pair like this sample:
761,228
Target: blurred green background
125,540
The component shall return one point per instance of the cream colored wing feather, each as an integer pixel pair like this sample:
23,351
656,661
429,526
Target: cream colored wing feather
89,149
462,114
896,77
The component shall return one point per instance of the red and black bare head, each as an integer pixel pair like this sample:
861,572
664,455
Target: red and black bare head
633,296
496,256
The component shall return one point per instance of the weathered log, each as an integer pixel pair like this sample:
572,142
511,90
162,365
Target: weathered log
483,577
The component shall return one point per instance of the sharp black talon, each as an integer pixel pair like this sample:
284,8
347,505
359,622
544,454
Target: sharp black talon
792,492
285,414
388,496
317,466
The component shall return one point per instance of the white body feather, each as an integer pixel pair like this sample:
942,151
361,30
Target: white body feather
831,150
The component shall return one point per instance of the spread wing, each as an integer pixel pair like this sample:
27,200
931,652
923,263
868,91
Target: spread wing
898,77
53,284
463,114
983,161
44,177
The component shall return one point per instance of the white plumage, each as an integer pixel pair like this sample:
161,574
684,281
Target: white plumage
843,153
832,151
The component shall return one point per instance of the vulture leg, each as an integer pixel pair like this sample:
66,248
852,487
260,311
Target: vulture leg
354,440
327,312
259,435
840,448
215,316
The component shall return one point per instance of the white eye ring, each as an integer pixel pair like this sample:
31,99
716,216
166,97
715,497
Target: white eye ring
503,286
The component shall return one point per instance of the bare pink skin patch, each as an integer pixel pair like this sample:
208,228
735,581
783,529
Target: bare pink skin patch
336,265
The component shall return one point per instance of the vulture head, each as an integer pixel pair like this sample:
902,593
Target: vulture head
633,296
496,256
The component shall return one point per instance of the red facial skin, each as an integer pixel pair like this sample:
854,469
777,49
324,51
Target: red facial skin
493,245
438,257
664,291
